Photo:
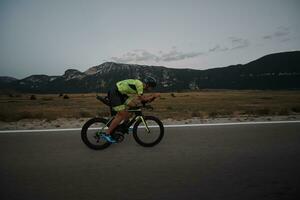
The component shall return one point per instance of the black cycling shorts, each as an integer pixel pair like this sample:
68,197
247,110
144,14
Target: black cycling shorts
117,100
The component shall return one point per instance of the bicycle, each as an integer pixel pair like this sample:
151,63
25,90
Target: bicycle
147,131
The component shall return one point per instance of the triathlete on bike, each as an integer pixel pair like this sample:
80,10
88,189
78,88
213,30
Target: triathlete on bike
124,95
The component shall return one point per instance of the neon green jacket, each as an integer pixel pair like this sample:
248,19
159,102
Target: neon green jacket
130,86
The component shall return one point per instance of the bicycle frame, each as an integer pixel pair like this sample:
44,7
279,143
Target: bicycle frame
138,115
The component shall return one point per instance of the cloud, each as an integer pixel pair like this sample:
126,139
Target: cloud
267,37
285,40
175,55
238,43
136,56
218,48
141,55
231,44
280,33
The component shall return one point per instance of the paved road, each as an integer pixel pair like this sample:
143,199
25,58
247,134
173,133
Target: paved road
214,162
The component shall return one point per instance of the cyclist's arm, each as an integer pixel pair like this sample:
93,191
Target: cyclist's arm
148,98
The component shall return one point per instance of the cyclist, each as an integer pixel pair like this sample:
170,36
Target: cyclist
125,94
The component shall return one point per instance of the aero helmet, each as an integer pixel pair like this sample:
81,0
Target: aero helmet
151,82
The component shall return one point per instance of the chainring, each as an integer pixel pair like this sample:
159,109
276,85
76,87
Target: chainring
119,137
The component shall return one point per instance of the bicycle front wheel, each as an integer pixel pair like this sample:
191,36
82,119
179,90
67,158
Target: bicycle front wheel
148,131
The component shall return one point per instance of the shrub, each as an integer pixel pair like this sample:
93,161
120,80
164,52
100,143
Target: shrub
30,115
263,111
66,97
61,94
284,111
173,95
169,108
296,109
33,97
226,112
84,114
47,99
266,98
197,114
213,114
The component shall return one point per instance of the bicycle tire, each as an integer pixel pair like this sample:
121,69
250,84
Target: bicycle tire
137,136
84,135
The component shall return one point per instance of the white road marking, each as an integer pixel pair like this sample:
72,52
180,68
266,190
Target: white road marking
166,126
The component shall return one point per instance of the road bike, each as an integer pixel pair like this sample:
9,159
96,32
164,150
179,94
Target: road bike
147,131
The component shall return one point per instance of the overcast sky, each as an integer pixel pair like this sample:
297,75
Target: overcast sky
50,36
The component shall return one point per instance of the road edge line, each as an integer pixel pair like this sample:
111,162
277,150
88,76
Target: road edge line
166,126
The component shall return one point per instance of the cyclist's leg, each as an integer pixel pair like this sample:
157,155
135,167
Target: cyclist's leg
121,115
118,105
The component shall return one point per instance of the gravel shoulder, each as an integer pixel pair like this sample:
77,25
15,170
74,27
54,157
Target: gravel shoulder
31,124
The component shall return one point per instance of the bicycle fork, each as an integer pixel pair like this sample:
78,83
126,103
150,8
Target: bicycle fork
145,123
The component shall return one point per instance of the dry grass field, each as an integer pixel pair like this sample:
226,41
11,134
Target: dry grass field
202,104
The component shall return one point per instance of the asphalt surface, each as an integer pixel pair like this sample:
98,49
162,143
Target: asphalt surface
214,162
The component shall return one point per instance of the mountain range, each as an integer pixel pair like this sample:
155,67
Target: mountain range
275,71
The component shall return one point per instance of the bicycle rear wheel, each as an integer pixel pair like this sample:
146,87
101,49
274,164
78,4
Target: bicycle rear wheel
91,131
149,131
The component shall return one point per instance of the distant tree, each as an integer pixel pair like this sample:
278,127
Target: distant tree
33,97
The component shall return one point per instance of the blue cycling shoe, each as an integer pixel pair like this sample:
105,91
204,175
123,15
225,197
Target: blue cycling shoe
108,138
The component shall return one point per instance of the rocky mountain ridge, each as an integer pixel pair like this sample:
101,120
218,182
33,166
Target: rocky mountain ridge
274,71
